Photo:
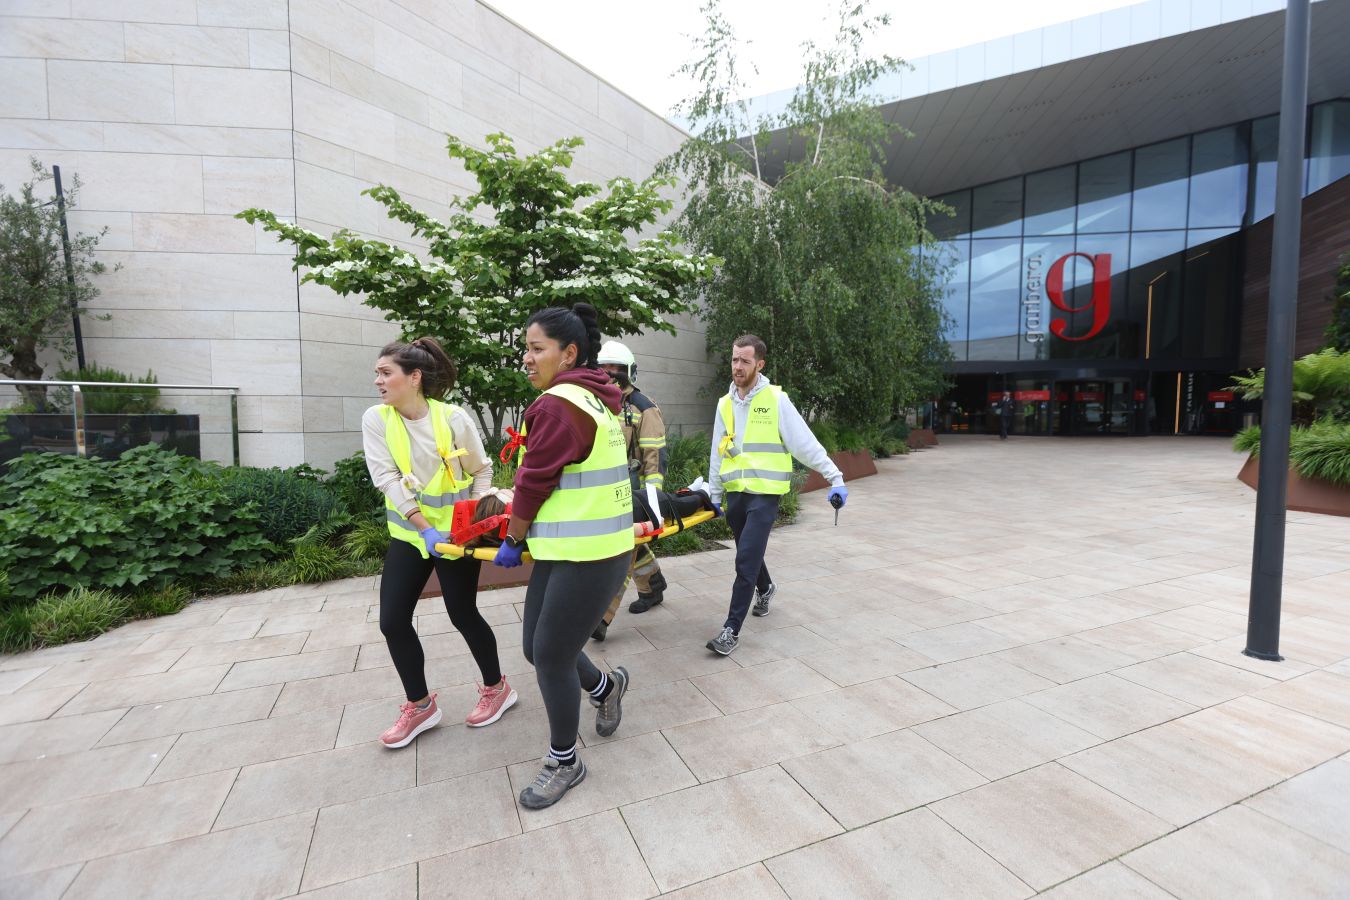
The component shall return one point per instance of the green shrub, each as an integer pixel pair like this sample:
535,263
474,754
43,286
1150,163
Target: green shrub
150,517
16,628
828,435
1248,440
165,601
312,563
691,541
686,459
892,439
368,539
75,615
1321,451
114,401
351,483
305,470
286,505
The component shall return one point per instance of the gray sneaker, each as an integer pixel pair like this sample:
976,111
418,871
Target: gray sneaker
551,783
762,601
609,713
725,642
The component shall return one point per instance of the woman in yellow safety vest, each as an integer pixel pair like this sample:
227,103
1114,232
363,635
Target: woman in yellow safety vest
423,455
574,504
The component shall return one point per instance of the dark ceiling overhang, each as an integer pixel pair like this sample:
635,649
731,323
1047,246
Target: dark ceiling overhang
1105,102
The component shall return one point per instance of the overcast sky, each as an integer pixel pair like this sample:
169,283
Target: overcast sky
638,46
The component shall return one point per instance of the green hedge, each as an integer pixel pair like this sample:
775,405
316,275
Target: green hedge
150,517
88,544
286,503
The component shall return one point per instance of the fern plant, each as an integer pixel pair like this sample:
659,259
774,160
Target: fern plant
1321,386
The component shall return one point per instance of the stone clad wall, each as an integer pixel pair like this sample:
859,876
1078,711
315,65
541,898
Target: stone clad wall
175,114
178,113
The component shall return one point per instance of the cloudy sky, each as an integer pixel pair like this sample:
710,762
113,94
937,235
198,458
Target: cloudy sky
638,46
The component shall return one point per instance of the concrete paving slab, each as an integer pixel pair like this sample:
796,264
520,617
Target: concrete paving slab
1007,659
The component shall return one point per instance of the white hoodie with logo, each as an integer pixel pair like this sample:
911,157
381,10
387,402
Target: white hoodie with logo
796,434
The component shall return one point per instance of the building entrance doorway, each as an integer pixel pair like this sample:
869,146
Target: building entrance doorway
1104,406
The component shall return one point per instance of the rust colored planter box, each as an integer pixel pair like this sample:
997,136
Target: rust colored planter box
920,438
1305,494
853,463
489,576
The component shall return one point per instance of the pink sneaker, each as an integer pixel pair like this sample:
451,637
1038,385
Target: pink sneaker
492,702
411,722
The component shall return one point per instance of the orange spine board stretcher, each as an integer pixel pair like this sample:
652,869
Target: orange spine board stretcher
486,554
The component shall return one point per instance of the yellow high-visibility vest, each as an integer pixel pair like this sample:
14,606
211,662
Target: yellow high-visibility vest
437,499
763,464
589,515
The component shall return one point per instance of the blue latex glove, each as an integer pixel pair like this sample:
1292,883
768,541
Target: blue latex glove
508,557
431,537
717,510
841,492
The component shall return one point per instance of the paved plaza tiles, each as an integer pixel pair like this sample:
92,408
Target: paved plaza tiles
1012,668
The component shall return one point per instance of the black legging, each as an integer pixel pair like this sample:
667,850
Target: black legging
405,575
563,604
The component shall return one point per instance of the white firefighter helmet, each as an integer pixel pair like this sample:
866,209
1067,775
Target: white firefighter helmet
614,353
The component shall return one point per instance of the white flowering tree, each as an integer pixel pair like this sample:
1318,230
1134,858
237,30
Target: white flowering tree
524,241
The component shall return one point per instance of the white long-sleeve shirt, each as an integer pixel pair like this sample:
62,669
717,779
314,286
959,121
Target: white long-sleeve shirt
425,460
796,434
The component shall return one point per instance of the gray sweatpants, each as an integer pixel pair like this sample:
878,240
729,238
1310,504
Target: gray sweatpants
563,604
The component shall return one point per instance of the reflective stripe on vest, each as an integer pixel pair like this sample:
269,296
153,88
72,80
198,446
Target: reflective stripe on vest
762,464
436,500
589,516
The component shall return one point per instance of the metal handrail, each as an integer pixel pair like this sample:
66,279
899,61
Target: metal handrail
78,402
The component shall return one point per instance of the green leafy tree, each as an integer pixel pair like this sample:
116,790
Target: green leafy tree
527,239
36,300
820,255
1338,329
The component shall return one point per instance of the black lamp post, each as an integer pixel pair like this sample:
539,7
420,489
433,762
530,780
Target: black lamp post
1263,616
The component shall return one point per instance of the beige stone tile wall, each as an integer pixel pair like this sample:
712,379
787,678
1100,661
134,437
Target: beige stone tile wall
178,113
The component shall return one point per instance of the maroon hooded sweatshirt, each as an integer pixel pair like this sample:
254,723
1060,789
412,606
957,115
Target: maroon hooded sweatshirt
557,434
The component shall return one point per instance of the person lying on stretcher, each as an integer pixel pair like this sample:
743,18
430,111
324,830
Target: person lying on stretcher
483,522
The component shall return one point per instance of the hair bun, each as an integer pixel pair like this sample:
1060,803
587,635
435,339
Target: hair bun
586,313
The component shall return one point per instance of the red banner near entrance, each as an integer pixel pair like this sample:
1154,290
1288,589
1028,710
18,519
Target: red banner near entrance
1089,396
1221,396
1032,396
1140,396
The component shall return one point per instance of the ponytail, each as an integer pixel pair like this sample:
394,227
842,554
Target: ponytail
427,355
579,325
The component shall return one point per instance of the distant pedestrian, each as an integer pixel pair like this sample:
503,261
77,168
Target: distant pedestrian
1006,408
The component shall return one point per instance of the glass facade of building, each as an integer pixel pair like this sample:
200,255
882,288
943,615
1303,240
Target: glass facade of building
1129,257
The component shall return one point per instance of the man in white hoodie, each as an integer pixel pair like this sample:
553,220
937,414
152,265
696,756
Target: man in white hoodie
756,433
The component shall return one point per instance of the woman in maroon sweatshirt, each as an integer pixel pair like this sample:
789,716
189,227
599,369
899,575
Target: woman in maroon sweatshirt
565,599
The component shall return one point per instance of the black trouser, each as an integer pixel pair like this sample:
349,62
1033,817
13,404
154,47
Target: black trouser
405,575
563,604
1003,425
751,518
